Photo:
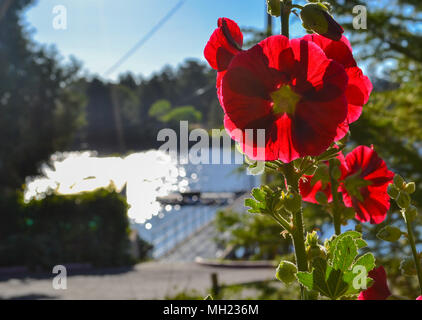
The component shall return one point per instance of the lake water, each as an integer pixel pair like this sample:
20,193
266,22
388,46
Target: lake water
146,176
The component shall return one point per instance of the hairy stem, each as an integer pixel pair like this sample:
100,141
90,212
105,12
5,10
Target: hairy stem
286,9
292,178
336,202
411,238
297,233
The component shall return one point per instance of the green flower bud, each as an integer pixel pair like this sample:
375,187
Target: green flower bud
274,7
336,173
408,268
349,213
315,17
312,238
286,272
403,200
311,171
313,252
392,191
389,233
399,182
410,187
411,213
293,202
358,228
321,198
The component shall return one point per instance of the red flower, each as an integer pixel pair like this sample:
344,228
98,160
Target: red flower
363,184
379,289
297,91
359,86
419,298
224,44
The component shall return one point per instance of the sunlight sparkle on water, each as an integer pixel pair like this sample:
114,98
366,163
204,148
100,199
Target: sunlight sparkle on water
146,175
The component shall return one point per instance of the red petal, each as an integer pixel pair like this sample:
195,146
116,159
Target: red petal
340,51
308,190
218,51
372,168
317,77
379,290
357,93
315,125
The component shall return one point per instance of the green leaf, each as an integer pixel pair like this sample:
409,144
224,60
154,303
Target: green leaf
255,206
336,284
324,279
306,279
332,243
258,194
367,261
345,253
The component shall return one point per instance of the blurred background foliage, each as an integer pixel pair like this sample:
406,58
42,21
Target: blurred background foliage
88,228
48,106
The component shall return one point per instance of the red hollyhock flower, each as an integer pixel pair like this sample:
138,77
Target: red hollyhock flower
379,289
364,182
297,91
290,89
359,86
225,42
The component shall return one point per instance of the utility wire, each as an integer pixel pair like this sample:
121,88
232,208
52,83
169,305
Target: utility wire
145,38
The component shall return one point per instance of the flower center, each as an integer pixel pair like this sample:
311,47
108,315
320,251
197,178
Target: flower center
285,100
354,185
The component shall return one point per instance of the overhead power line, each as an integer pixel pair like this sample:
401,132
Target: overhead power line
145,38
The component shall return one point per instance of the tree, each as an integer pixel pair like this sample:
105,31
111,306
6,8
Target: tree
41,107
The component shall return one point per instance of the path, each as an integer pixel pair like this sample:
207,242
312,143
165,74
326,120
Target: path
152,280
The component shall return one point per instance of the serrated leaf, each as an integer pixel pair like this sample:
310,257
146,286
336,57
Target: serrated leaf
332,243
367,261
258,194
255,206
345,253
306,279
336,284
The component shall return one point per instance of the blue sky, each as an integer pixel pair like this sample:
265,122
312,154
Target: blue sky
99,32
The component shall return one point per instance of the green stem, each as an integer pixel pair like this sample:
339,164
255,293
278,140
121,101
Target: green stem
297,233
292,178
286,9
336,201
411,238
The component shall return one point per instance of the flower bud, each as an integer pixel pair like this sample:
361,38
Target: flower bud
403,200
389,233
314,252
407,267
392,191
311,171
321,198
315,17
399,182
336,173
411,213
349,213
358,228
293,202
312,238
410,187
274,7
286,272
